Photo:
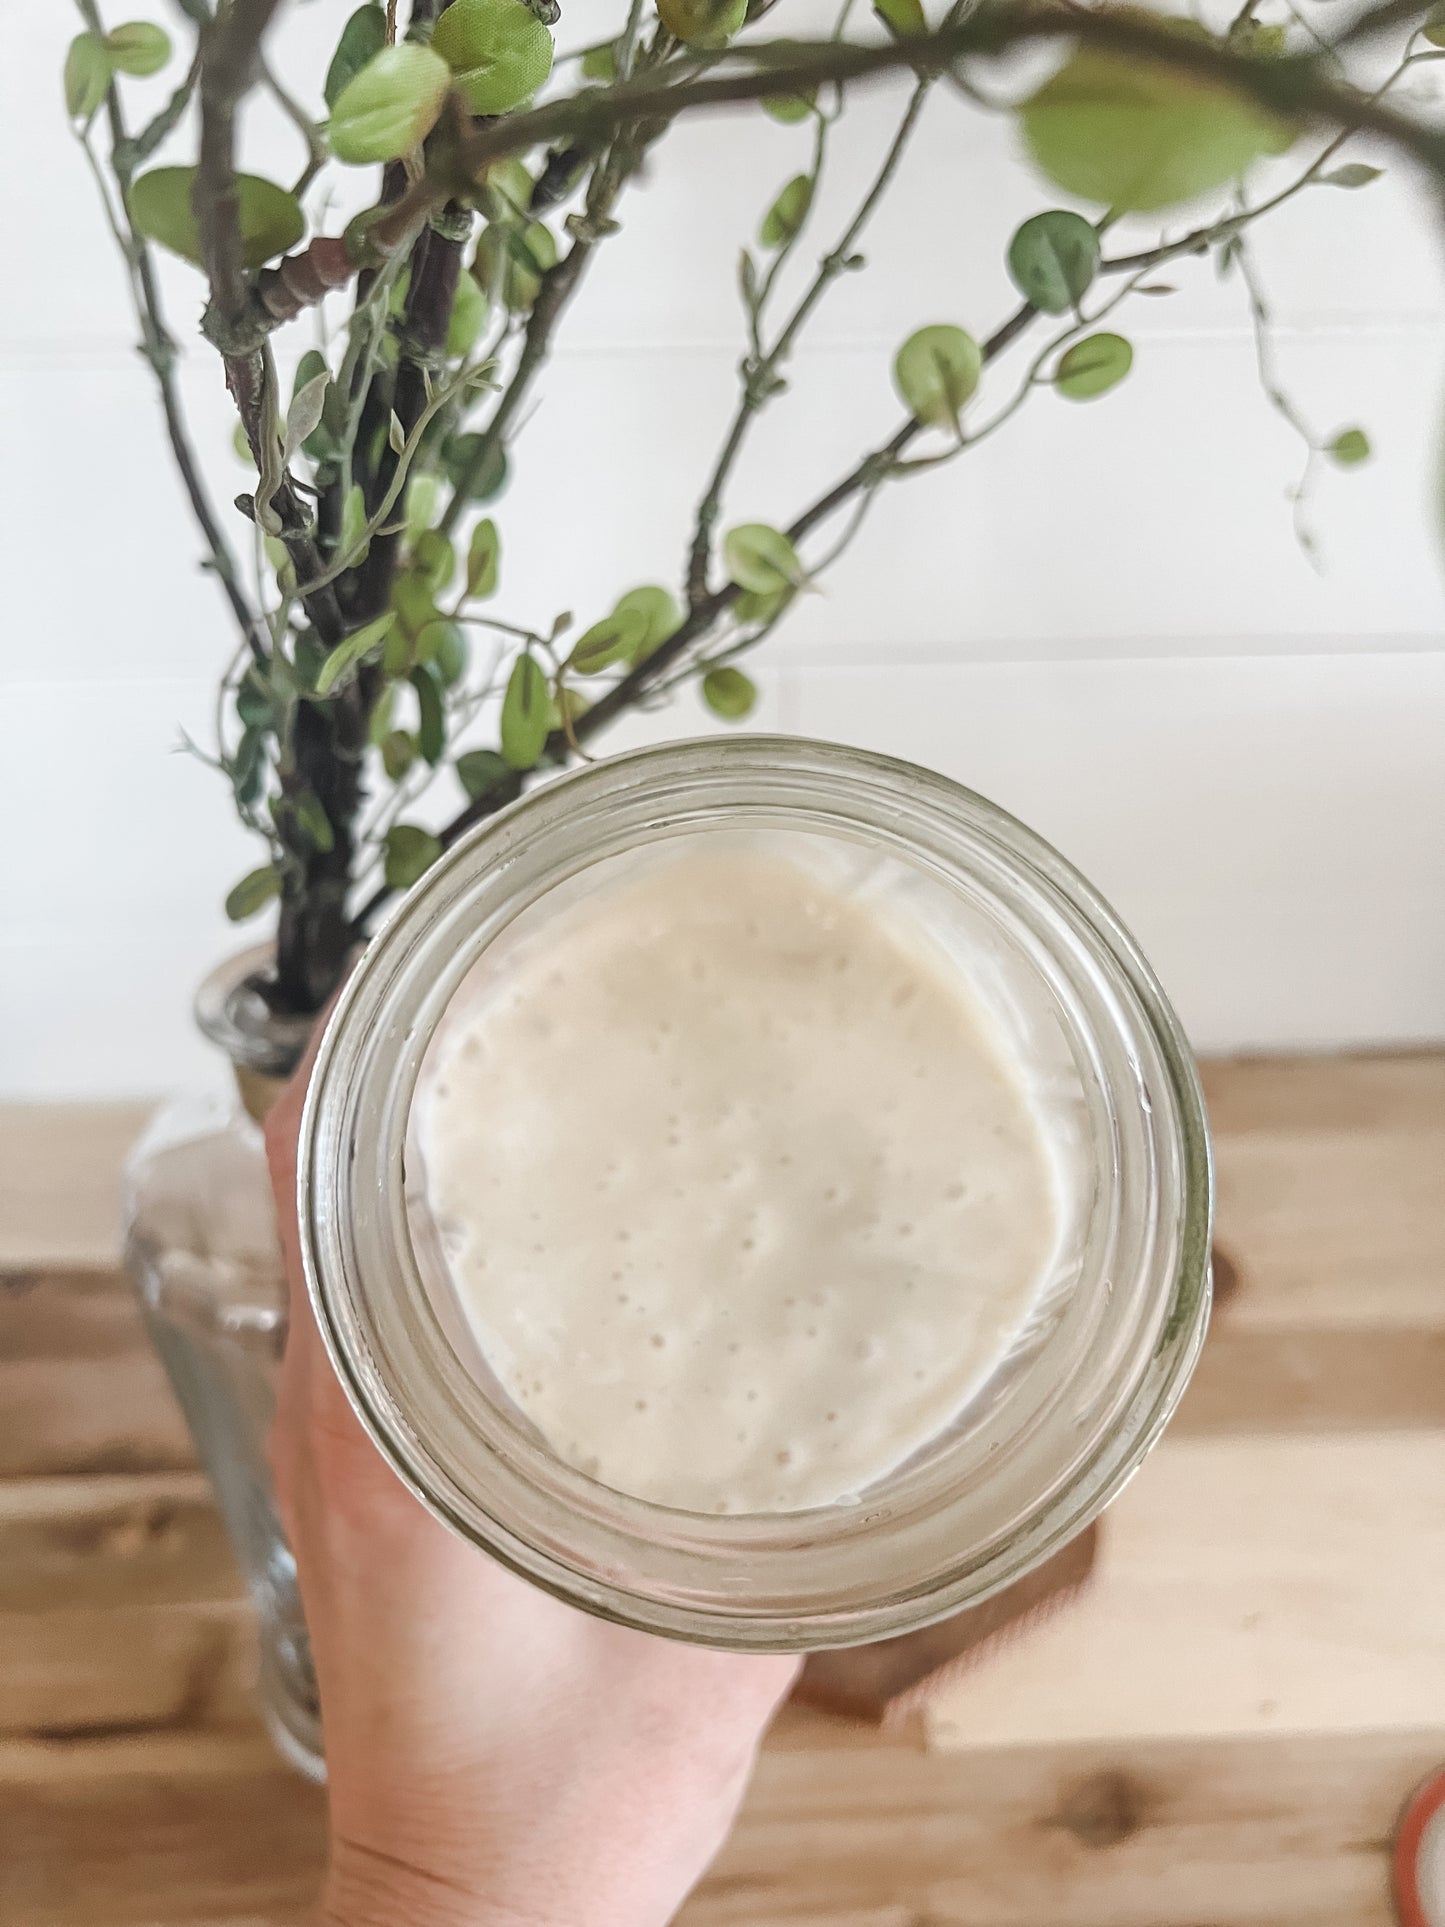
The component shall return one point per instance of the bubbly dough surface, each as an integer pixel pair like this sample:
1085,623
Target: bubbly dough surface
740,1196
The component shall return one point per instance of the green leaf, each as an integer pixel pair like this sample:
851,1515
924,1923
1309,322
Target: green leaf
484,555
433,557
311,815
751,607
444,646
248,767
748,285
901,17
1093,366
1434,26
761,559
271,218
303,417
935,372
138,48
788,213
789,108
253,700
347,655
658,608
410,853
729,693
362,39
319,444
480,771
1053,258
311,364
469,314
703,23
382,710
398,753
1350,447
508,193
252,893
416,610
489,480
511,262
353,520
87,75
1352,174
498,49
1134,135
569,706
422,492
390,106
600,63
617,638
525,710
309,653
431,735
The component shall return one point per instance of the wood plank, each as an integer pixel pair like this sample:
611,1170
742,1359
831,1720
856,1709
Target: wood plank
122,1670
160,1830
120,1608
1244,1586
1331,1179
1288,1832
125,1542
59,1181
1357,1091
1254,1378
839,1830
1301,1572
81,1391
1332,1203
1344,1230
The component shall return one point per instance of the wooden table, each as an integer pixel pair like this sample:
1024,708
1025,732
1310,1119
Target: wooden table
1221,1730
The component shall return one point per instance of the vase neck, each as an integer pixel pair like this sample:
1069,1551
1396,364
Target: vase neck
264,1045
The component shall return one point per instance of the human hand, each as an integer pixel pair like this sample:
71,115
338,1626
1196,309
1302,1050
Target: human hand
493,1755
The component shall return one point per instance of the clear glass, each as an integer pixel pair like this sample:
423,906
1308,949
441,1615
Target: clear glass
1037,1453
202,1250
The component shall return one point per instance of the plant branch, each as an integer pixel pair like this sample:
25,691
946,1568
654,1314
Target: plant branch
436,265
558,284
159,350
230,62
759,377
375,526
1288,85
316,155
1298,86
700,620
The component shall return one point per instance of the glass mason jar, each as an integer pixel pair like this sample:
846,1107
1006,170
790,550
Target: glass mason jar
202,1250
1063,1421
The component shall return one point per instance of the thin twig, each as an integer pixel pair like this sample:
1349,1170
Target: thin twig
1295,86
159,350
316,155
757,387
230,56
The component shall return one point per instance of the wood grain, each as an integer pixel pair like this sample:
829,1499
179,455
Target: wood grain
184,1830
60,1182
1222,1729
81,1391
1248,1585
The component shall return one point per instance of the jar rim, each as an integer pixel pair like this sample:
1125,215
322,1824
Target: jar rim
717,1581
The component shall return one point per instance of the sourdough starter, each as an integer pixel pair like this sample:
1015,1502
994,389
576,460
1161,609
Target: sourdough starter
739,1190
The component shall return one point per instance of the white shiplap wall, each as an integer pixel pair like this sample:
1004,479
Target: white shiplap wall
1100,618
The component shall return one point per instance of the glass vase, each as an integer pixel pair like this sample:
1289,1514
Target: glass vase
202,1250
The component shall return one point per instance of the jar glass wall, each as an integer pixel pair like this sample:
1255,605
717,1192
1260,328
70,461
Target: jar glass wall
1059,1426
